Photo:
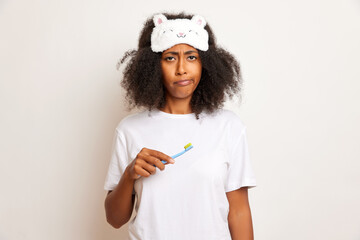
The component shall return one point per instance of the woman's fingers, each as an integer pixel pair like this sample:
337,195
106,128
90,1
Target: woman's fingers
161,156
148,159
141,172
146,166
154,157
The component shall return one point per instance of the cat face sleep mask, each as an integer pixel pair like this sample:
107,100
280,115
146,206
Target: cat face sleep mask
168,33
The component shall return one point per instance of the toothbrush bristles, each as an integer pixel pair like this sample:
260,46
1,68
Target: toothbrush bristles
187,145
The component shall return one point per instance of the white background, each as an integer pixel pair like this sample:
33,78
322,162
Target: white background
60,101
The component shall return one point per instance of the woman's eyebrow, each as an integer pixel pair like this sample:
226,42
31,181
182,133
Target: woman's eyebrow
177,53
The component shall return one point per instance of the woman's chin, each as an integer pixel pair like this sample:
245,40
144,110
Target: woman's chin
181,95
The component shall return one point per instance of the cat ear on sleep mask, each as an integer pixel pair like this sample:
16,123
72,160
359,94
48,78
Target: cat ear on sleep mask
170,32
159,19
199,20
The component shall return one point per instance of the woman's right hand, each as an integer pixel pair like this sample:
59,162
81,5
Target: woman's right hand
143,164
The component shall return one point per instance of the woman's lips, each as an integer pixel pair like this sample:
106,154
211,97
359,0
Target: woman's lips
183,82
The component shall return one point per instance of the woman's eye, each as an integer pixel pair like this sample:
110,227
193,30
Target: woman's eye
192,57
169,58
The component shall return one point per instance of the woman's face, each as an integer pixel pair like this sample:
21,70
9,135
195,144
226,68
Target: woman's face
181,69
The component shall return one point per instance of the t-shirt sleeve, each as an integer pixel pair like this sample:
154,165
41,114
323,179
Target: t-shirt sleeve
118,161
240,172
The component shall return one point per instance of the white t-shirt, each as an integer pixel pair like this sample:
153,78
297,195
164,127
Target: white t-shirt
188,199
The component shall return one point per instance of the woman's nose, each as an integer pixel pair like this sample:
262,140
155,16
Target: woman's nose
180,70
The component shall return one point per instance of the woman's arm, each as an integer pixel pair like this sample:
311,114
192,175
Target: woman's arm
239,218
119,203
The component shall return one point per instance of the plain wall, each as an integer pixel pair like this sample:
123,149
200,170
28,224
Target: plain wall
60,101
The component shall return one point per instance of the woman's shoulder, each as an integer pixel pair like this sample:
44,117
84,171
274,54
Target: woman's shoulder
228,116
132,119
228,120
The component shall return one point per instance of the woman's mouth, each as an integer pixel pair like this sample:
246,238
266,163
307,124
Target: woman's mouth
183,82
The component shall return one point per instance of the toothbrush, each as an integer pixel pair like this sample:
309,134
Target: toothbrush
187,148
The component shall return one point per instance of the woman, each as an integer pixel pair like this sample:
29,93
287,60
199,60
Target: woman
182,79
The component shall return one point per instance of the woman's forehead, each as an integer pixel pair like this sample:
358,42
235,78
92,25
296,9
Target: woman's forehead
180,48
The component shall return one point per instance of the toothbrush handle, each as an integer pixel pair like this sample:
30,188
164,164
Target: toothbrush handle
179,154
174,156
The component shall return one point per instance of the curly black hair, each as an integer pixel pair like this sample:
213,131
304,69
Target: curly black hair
142,76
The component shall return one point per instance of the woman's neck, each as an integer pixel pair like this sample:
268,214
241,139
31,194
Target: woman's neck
180,106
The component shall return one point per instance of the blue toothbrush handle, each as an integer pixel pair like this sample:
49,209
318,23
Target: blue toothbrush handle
177,155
